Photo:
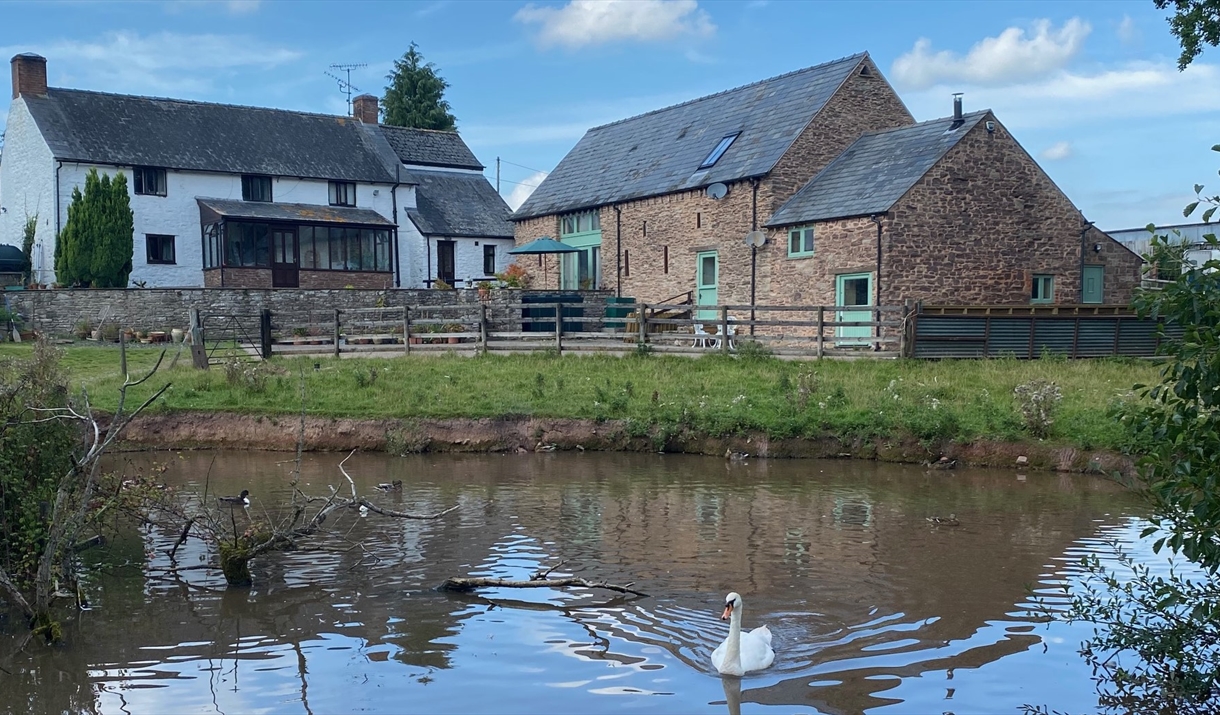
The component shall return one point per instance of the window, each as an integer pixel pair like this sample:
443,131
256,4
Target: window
255,188
342,193
160,248
247,245
212,245
719,151
149,182
800,241
489,259
1043,290
585,222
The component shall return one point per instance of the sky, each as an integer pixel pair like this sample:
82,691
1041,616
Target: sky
1090,89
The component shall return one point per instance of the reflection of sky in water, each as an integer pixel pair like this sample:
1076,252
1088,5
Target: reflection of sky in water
858,589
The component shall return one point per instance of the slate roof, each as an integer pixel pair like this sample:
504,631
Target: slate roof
458,204
428,147
307,213
177,134
874,172
660,152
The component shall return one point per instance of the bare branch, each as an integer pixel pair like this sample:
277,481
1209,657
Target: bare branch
14,594
402,514
349,477
470,584
186,530
127,381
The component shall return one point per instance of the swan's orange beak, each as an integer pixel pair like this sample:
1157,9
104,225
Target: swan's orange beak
728,611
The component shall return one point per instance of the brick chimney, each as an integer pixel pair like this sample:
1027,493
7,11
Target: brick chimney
29,74
364,108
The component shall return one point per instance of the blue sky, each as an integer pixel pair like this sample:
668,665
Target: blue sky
1089,88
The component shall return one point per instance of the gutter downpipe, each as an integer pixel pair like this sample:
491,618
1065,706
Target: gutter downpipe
753,251
58,165
618,252
876,218
397,248
1084,231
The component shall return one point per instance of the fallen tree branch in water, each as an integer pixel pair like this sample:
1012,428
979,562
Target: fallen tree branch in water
403,514
462,585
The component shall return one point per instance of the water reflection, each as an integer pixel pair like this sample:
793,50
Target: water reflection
872,607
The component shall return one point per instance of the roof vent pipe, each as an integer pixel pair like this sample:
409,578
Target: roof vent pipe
957,110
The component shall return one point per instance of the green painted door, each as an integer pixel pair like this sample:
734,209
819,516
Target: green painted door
854,289
1094,281
707,274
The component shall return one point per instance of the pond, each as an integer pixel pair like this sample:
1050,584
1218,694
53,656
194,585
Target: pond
873,607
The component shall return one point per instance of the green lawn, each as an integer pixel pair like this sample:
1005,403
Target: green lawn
719,395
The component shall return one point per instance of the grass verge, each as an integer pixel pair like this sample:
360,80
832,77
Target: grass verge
958,401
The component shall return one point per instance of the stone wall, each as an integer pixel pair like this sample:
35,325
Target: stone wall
982,222
864,103
309,279
56,312
843,246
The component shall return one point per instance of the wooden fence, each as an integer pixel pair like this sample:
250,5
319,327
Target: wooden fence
811,331
795,331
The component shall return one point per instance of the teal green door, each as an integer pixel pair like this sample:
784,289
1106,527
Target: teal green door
707,275
854,289
1094,281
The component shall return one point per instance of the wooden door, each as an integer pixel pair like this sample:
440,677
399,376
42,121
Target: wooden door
446,267
707,279
285,262
1094,284
851,290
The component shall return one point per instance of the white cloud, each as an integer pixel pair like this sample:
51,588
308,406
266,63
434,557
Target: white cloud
1135,89
1127,32
582,23
242,7
162,63
1057,151
1010,57
522,191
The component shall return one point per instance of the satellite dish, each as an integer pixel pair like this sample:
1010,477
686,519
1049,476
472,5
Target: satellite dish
756,239
717,191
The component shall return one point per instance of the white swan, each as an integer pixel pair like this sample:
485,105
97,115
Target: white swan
741,652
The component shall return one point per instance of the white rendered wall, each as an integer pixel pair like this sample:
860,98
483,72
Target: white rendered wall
177,214
27,187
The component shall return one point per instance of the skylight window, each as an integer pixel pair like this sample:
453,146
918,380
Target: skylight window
719,151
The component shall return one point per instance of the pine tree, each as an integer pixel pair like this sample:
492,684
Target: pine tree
415,95
95,246
27,249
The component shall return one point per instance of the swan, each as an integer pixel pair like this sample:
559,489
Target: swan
741,652
241,500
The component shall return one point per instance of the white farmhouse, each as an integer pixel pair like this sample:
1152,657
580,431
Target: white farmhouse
230,196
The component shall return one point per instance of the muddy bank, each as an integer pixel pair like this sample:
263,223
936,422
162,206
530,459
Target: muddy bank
190,430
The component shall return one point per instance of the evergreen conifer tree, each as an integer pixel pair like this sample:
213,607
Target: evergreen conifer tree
415,95
95,246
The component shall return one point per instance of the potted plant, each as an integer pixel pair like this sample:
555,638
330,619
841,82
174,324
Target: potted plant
440,284
452,328
82,330
110,332
515,277
484,288
300,336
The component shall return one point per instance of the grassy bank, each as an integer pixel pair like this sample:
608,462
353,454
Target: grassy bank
931,401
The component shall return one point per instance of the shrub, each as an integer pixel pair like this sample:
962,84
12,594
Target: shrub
1037,401
247,376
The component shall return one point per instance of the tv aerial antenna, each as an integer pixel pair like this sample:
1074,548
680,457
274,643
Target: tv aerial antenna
345,85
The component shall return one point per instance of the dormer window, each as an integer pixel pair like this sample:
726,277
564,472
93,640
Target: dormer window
719,151
148,181
255,188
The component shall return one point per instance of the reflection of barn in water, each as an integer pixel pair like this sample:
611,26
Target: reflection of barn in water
845,569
